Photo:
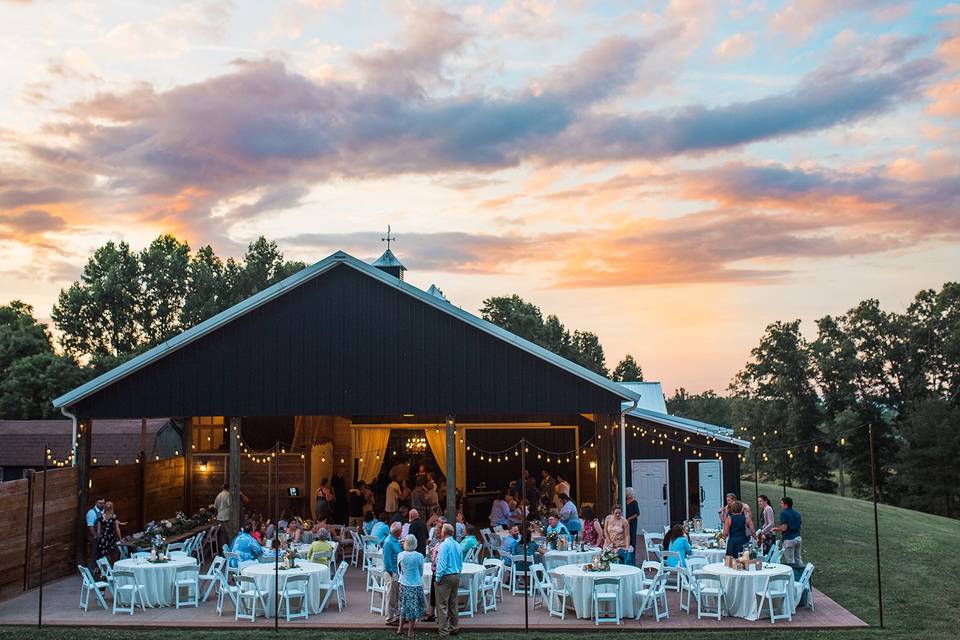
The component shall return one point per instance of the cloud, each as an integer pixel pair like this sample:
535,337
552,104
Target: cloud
800,18
32,222
736,46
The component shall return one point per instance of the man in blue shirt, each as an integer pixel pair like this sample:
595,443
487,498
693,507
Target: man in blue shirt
93,516
391,549
790,527
245,545
447,578
555,526
380,528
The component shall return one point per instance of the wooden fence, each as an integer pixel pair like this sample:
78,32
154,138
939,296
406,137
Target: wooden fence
140,493
21,503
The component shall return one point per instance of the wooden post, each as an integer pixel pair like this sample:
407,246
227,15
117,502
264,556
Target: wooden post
31,479
235,506
451,469
143,438
188,466
84,444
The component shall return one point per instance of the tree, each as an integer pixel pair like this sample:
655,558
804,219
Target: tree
164,271
706,407
32,382
780,373
20,335
98,315
628,370
587,351
208,293
929,469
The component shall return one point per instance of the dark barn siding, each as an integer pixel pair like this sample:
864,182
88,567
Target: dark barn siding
639,448
344,343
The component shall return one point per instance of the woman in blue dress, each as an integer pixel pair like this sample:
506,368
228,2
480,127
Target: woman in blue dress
410,568
737,529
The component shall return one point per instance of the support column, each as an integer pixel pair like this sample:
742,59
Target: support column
606,465
84,442
234,470
451,469
187,442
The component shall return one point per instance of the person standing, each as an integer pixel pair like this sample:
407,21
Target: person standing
767,522
93,538
447,578
547,485
790,528
633,516
410,570
223,507
737,529
392,504
392,549
569,515
322,507
418,529
561,489
108,533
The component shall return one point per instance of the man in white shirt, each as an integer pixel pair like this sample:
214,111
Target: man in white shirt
223,507
93,516
393,497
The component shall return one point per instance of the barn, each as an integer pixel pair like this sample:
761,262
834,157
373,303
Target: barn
346,371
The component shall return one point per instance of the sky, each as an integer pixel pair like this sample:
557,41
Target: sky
672,175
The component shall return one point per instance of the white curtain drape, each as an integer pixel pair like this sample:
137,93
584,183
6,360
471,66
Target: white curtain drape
437,439
370,445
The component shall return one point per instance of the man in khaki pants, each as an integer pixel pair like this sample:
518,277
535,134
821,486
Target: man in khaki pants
391,549
447,576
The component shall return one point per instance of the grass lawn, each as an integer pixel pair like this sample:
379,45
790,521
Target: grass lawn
921,559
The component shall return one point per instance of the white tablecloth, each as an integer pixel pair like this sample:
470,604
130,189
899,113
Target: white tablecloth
263,574
705,536
554,559
471,571
581,587
740,588
156,578
712,555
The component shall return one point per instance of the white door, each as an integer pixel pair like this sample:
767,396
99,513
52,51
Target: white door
651,490
711,493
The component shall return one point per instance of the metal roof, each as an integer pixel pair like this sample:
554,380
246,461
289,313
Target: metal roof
304,275
686,424
651,395
388,260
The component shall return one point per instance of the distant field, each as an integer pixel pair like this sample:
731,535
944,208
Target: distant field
921,559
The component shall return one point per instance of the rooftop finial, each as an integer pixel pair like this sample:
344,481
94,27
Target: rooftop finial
389,238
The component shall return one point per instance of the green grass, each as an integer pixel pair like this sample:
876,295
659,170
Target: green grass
920,555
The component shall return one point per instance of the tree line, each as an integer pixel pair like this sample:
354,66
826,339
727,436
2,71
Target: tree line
805,403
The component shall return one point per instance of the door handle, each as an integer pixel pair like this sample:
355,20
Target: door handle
703,498
664,492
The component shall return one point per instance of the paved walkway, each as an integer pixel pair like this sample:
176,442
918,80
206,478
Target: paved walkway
60,600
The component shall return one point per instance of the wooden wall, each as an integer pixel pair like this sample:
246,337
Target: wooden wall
21,502
120,485
207,484
163,488
255,484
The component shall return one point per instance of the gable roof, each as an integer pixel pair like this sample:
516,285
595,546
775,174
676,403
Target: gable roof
338,259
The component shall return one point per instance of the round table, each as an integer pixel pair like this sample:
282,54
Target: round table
300,547
471,571
157,578
740,588
712,555
580,583
263,575
702,536
553,559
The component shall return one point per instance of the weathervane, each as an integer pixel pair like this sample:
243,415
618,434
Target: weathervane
389,238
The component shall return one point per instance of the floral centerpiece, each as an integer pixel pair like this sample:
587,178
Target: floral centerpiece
180,523
552,539
603,560
290,559
158,549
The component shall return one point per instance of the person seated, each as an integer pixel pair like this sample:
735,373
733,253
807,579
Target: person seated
307,534
678,541
246,546
460,527
592,531
368,521
381,528
555,526
509,543
321,545
293,531
257,532
469,541
616,535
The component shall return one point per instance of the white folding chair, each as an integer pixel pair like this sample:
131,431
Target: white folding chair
649,570
606,592
654,545
295,588
374,561
106,571
142,554
210,541
672,573
176,546
212,575
197,550
559,592
777,588
488,587
187,578
124,551
501,570
472,554
126,587
803,586
708,586
776,553
652,596
335,585
520,570
376,585
465,591
90,584
539,584
232,566
357,548
226,590
248,597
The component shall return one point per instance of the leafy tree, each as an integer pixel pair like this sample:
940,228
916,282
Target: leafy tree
207,294
628,370
705,407
32,382
587,351
164,270
780,372
20,334
929,469
98,315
